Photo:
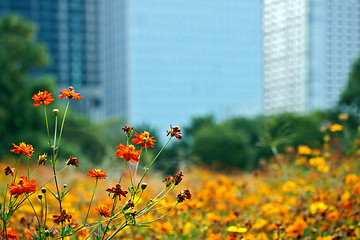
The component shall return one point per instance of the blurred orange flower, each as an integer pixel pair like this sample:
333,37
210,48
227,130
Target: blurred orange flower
69,94
128,153
10,234
23,148
336,128
144,139
24,186
296,229
42,97
97,173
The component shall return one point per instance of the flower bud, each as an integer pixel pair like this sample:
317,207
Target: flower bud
42,159
64,186
56,111
40,196
144,140
143,185
128,204
47,233
43,190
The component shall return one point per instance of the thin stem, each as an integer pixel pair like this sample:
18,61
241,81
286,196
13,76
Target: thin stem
47,126
33,209
57,187
16,170
92,197
118,230
132,184
45,200
61,129
147,168
34,171
161,216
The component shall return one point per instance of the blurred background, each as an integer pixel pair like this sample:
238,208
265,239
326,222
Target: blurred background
238,77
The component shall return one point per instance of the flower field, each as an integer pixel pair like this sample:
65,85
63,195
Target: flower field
302,194
303,200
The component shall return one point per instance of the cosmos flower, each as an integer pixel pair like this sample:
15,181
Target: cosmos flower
97,173
23,186
42,97
144,139
23,148
128,153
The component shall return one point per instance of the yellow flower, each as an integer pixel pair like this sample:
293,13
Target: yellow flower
336,128
237,229
305,150
343,116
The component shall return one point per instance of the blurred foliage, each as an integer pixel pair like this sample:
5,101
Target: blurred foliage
350,97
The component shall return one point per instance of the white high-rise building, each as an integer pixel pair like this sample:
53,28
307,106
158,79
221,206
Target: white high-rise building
309,46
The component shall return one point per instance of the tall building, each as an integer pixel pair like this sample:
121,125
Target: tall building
191,58
113,58
309,46
70,31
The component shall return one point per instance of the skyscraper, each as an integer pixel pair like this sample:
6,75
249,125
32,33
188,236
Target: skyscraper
191,58
70,31
309,46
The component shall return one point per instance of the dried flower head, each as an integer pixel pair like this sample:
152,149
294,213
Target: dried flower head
174,132
63,217
73,161
9,171
117,191
42,97
185,194
178,177
128,129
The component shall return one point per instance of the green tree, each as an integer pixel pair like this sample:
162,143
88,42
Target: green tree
351,95
20,55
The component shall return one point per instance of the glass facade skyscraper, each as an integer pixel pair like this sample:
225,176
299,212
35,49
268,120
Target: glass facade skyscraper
191,58
70,31
309,46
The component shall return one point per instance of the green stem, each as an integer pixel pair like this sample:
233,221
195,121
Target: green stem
61,129
161,216
147,168
34,171
45,200
16,170
47,127
33,209
92,197
132,183
118,230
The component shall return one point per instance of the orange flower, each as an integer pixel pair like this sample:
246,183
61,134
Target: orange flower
69,94
104,211
296,229
144,139
24,149
174,132
128,153
62,217
10,234
42,97
24,186
97,173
